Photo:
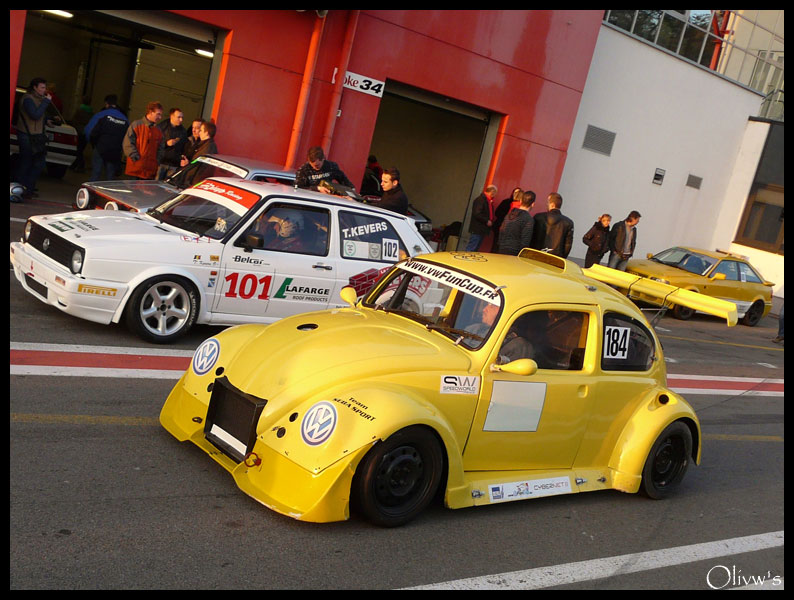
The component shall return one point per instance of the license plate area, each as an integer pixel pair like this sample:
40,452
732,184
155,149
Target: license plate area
37,287
231,419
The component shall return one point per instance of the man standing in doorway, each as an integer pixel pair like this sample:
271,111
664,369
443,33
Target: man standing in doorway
482,218
394,197
622,240
172,145
142,142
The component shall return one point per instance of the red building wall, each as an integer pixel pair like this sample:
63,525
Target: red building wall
529,65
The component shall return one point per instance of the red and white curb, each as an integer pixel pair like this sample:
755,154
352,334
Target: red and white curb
64,360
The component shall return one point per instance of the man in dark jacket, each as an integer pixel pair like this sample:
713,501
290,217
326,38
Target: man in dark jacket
553,230
394,197
317,169
172,145
622,239
106,131
482,218
515,233
596,240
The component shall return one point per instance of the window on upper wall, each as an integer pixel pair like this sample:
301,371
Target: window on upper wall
745,46
762,222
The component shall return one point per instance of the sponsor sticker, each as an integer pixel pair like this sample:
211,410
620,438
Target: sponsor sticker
461,281
532,488
96,290
460,384
240,196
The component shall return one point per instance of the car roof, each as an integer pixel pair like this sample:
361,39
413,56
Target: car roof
252,164
536,277
264,188
718,254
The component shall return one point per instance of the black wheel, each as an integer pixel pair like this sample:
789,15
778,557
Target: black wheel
162,308
753,314
667,461
682,312
398,478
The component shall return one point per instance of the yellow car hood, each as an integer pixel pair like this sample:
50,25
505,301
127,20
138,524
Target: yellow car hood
318,350
650,268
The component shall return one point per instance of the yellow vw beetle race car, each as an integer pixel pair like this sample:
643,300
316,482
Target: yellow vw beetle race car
714,273
483,377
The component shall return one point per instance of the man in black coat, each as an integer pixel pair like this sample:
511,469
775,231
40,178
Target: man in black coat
394,197
516,231
482,218
317,169
172,146
553,230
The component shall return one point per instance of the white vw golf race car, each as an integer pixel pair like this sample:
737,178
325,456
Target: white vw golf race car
224,252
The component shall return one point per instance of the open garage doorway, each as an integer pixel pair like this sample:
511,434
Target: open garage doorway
138,55
441,147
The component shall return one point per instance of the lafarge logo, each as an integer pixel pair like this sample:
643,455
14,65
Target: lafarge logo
460,384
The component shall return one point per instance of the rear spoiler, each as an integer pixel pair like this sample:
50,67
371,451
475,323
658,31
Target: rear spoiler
665,293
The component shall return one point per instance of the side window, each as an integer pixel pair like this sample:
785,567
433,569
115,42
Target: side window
293,228
369,237
555,339
729,267
628,345
747,274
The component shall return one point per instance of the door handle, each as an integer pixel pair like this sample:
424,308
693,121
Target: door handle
322,266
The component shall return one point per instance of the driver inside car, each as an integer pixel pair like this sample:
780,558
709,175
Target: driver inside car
283,230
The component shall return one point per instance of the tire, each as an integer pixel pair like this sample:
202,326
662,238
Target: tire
753,315
162,309
667,461
682,312
398,477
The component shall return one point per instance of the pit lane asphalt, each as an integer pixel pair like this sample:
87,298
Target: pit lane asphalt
121,504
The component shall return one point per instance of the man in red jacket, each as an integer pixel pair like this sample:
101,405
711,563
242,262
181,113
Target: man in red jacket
141,143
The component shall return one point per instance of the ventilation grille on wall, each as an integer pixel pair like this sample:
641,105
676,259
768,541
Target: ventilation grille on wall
599,140
694,182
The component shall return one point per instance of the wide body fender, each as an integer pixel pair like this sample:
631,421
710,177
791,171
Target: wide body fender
659,408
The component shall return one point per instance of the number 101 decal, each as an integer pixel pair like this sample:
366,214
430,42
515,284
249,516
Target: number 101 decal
249,285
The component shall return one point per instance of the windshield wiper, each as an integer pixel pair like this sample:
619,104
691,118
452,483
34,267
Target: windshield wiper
462,333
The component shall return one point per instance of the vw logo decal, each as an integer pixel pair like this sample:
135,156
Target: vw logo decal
206,356
319,423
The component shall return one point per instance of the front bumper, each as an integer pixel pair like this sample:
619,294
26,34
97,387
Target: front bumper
267,475
52,283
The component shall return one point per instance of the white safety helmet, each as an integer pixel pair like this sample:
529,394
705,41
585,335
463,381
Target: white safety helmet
289,221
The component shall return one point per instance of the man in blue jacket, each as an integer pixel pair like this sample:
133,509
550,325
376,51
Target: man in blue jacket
106,131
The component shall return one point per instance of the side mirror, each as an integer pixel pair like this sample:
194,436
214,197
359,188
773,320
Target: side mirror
349,295
649,255
718,277
522,366
254,240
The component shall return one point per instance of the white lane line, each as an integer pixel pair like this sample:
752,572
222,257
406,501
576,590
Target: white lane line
601,568
41,371
99,349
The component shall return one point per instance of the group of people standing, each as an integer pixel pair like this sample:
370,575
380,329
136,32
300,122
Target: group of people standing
510,227
154,148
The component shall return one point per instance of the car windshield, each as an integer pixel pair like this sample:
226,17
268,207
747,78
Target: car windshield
455,304
203,168
210,209
685,259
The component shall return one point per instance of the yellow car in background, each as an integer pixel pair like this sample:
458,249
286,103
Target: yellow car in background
713,273
485,378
